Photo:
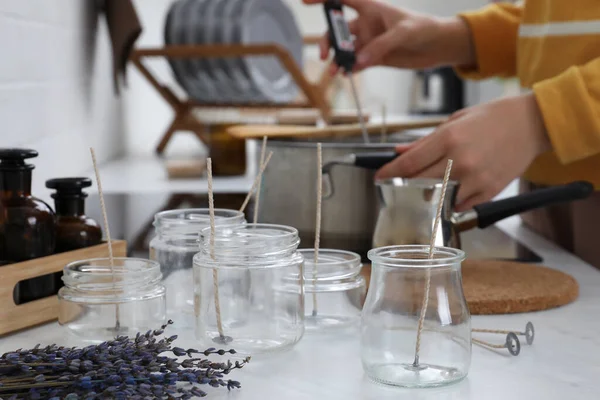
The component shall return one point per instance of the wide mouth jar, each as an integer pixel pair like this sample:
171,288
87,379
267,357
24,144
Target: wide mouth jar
331,266
248,245
191,221
248,291
104,298
99,280
416,256
334,289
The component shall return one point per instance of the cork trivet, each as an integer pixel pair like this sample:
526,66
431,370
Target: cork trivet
506,287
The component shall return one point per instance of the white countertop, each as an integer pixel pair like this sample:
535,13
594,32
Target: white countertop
563,362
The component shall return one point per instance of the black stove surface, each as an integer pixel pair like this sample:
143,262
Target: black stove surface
131,217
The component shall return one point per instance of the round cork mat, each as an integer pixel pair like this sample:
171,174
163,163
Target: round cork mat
506,287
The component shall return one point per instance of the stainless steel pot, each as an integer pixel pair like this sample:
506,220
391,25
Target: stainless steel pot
289,193
407,207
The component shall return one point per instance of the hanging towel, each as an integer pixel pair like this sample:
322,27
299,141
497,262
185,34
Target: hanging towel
124,28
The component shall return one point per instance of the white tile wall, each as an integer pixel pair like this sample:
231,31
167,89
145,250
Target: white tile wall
56,90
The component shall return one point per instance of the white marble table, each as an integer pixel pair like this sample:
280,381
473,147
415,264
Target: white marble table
563,363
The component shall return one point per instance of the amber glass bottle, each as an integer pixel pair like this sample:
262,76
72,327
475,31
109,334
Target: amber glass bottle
26,223
73,229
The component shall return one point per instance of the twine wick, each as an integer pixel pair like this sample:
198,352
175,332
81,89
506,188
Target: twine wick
317,224
111,258
257,197
431,249
256,182
211,211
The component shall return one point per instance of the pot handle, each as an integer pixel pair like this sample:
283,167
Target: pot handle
494,211
374,160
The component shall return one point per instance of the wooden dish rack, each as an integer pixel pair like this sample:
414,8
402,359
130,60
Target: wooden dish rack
185,120
16,317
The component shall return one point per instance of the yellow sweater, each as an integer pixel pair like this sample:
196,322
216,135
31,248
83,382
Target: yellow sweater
553,47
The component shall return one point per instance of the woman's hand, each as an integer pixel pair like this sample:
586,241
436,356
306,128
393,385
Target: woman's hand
388,36
490,144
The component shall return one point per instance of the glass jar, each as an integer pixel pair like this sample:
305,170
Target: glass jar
248,293
99,302
334,290
392,310
174,246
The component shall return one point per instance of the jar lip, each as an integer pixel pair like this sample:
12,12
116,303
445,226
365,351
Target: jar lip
228,233
198,216
416,256
331,256
333,264
97,274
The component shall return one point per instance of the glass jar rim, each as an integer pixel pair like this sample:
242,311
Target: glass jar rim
185,216
127,273
416,256
257,245
333,264
227,233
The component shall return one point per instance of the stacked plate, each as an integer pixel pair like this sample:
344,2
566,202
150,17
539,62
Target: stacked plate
249,79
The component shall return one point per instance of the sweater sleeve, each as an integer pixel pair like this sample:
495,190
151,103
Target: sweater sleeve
570,106
495,30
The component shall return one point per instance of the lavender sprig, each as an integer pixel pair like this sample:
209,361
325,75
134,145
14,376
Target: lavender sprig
123,368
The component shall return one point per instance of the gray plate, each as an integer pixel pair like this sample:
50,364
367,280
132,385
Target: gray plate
196,68
213,19
233,13
270,21
172,26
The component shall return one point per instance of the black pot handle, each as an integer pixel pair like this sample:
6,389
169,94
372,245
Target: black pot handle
494,211
374,160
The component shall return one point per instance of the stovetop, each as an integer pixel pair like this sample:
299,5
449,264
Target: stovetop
131,217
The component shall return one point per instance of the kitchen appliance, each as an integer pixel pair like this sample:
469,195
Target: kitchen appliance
343,45
436,91
407,207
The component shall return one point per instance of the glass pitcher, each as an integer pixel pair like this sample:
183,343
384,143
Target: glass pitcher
392,310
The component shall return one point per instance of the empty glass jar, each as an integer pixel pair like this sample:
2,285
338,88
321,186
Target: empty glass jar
334,289
248,292
174,246
100,302
390,318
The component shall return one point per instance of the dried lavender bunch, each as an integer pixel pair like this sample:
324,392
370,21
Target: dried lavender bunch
123,368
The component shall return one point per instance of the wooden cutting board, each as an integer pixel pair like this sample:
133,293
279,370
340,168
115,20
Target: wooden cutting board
289,131
505,287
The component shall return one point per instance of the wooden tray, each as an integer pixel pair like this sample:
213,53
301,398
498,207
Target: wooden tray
15,317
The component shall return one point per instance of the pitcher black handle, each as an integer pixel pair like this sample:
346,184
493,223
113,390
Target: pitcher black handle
374,160
494,211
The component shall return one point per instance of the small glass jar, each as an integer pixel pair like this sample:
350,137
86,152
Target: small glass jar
392,310
248,290
100,302
174,246
334,290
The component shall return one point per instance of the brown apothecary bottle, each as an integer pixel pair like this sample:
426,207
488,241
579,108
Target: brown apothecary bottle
74,230
26,223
